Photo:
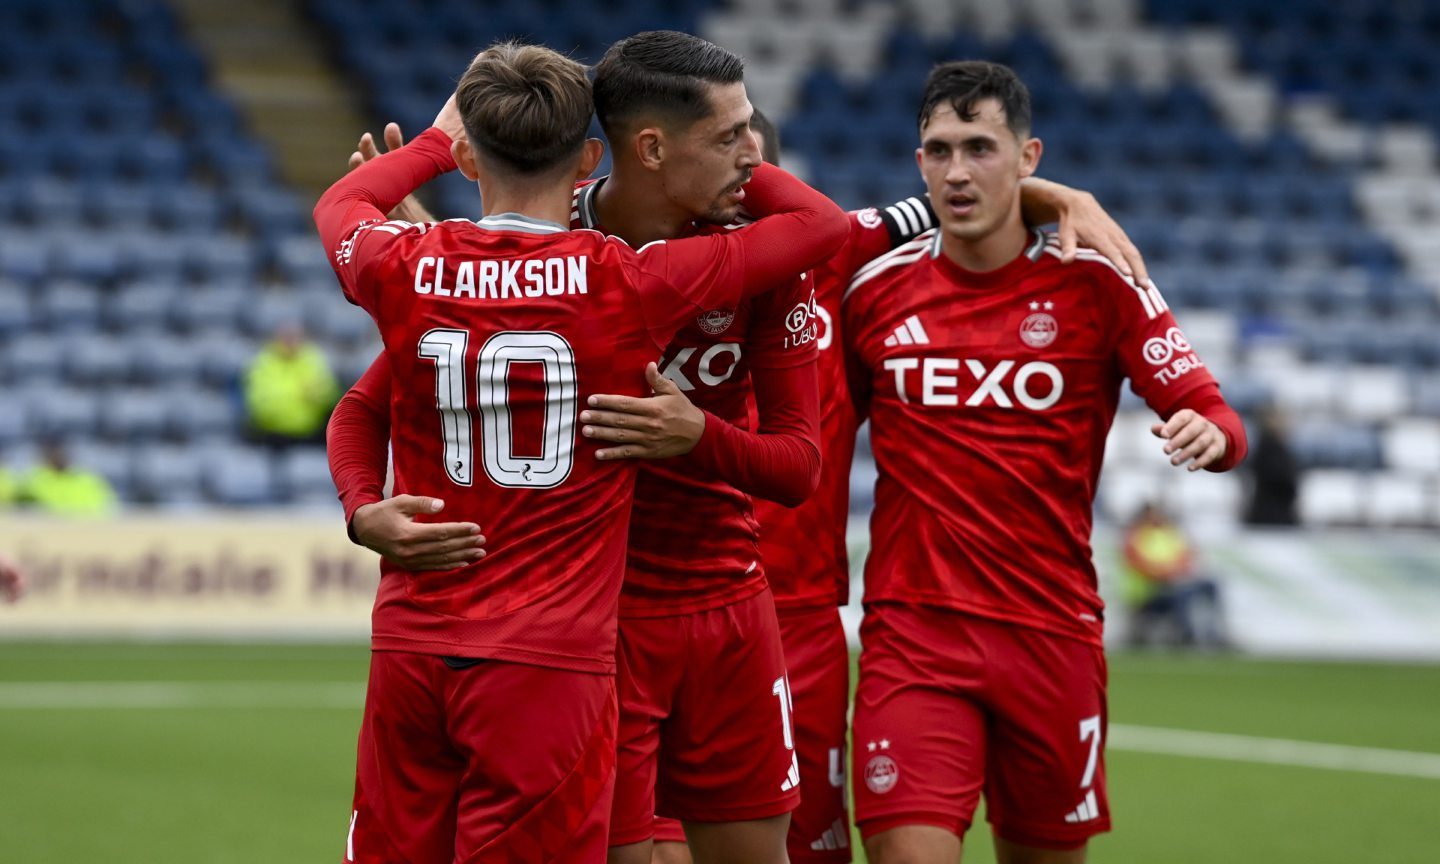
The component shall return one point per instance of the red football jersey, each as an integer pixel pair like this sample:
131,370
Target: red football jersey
803,548
694,541
492,331
990,396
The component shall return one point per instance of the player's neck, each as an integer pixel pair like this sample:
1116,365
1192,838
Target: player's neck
990,252
549,202
632,206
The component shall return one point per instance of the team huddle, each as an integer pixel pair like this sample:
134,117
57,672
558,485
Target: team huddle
645,390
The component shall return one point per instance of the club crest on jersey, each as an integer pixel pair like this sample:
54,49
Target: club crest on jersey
881,772
1039,329
869,218
716,321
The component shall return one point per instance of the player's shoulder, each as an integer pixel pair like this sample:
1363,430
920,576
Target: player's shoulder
1105,275
893,265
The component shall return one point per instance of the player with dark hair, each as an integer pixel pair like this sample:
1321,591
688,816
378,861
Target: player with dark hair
990,375
489,730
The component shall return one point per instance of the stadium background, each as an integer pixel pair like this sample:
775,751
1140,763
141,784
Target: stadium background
1276,163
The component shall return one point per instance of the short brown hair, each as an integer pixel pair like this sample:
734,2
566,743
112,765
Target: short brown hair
962,84
662,74
526,106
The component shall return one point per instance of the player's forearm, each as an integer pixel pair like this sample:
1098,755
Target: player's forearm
1208,403
356,444
780,462
777,466
799,229
374,188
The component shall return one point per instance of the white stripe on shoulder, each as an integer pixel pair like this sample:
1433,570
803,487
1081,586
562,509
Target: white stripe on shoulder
1149,295
901,256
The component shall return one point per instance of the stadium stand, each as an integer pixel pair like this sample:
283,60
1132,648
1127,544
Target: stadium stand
1275,162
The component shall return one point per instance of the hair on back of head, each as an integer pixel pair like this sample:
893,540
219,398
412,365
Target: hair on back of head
963,84
661,73
525,106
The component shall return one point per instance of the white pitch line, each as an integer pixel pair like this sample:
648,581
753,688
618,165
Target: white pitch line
1274,751
179,694
79,695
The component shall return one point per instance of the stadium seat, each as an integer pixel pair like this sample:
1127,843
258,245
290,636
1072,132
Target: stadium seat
304,474
1412,445
1331,498
239,476
1400,499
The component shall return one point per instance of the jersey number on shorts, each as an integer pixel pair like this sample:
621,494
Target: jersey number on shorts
446,348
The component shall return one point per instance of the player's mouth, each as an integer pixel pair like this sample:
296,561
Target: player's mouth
737,192
961,205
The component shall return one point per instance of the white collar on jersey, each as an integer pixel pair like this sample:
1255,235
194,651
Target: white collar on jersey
1033,251
520,222
585,205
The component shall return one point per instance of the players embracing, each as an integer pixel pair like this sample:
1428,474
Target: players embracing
707,712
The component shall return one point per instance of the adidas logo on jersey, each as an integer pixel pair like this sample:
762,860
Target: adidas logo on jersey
909,333
837,836
1086,812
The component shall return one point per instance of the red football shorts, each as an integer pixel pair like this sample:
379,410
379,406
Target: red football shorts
952,705
495,762
705,709
819,664
669,830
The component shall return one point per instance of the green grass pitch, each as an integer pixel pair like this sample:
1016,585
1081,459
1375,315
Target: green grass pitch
206,754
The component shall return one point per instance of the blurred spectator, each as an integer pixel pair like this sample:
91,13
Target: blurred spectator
289,390
1170,602
56,486
12,580
1274,473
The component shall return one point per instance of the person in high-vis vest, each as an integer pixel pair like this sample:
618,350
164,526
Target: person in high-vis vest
56,486
289,390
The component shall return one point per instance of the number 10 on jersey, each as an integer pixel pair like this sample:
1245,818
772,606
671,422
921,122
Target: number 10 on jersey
446,348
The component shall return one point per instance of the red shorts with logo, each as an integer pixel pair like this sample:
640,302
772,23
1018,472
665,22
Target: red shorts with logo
950,706
704,719
819,664
495,762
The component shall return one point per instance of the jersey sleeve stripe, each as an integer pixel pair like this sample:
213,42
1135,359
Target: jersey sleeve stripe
1149,296
904,217
899,256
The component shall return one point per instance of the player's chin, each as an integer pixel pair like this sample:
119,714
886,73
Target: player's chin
721,213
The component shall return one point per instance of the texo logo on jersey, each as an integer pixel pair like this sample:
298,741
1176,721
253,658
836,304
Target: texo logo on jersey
1037,385
716,365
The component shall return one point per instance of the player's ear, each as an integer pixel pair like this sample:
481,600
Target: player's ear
1030,151
650,147
465,158
590,155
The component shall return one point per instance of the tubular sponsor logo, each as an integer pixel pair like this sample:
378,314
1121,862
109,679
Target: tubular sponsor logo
869,218
1159,349
1173,352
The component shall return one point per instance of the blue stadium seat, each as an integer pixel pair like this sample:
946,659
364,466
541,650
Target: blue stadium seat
69,306
97,361
239,476
133,414
67,412
166,473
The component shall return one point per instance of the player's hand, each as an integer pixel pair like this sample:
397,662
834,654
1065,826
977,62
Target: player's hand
12,580
1189,436
448,120
408,210
1084,222
657,427
389,527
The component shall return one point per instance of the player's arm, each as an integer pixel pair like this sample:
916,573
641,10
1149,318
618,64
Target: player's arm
1082,221
409,209
351,213
781,460
357,438
799,228
1199,428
